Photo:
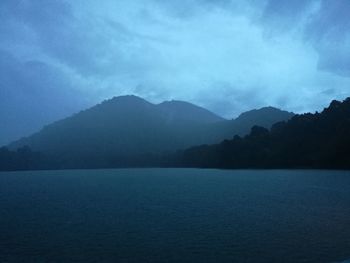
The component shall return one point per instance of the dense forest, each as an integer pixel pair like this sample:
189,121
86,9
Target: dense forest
319,140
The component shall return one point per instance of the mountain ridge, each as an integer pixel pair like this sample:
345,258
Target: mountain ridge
187,111
309,140
127,126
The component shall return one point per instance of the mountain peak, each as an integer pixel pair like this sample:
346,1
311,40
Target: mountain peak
265,112
127,99
176,109
123,103
175,102
264,117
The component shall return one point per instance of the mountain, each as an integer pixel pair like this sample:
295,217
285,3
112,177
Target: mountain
264,117
123,130
319,140
183,111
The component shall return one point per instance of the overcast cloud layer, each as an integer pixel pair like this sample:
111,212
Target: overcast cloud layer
57,57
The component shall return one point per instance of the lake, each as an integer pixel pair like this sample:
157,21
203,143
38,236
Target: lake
175,215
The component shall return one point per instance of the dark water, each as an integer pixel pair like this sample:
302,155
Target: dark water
175,215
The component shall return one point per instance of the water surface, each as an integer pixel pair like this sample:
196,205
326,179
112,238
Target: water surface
174,215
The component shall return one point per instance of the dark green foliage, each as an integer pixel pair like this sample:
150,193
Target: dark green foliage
320,140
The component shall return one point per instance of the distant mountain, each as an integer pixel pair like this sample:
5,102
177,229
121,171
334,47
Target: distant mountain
122,130
264,117
320,140
183,111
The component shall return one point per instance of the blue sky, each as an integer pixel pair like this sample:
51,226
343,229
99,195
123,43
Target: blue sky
58,57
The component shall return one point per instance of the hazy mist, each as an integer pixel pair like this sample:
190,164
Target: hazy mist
58,57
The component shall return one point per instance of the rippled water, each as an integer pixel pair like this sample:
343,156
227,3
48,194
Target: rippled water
175,215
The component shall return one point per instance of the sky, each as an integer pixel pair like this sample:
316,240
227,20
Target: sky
58,57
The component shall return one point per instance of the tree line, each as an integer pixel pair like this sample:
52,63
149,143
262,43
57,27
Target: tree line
319,140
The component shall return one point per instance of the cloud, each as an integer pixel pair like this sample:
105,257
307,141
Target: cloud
329,31
32,94
324,24
284,15
228,56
